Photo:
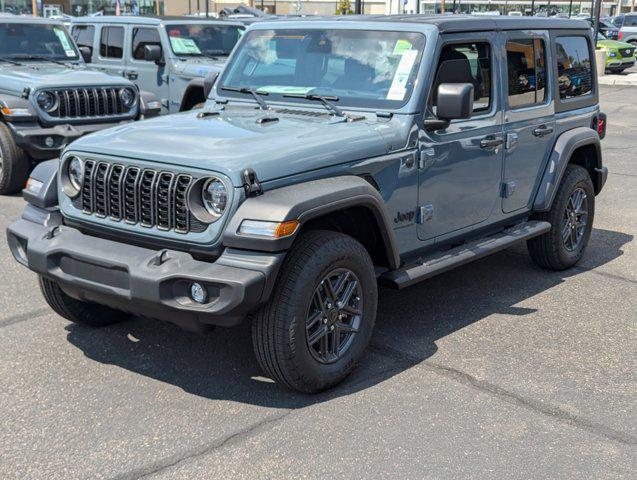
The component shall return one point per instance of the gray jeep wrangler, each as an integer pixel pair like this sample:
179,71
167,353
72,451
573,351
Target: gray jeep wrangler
332,155
48,98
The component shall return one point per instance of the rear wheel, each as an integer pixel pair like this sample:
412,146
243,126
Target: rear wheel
14,163
84,313
571,217
321,315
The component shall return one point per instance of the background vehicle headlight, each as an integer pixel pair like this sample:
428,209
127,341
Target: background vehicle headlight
76,173
47,101
127,96
215,197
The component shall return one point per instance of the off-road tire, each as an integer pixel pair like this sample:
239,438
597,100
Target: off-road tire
15,166
279,328
548,250
84,313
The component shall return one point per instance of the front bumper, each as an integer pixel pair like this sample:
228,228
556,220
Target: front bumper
619,63
142,281
31,137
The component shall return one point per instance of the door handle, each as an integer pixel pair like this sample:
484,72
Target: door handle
132,75
542,131
490,142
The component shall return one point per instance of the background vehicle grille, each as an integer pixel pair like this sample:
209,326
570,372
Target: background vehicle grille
88,102
628,52
137,196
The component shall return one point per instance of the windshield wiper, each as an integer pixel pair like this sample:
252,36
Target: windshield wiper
43,58
254,93
325,100
7,60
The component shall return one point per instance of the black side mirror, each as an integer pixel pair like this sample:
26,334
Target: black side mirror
209,82
86,53
455,101
152,53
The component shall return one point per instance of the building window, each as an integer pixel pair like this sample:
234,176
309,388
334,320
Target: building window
526,64
112,42
574,69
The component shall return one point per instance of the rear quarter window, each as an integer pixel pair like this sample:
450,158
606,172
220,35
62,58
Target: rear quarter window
574,67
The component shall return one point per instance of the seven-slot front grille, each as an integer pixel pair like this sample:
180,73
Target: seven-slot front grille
88,102
137,196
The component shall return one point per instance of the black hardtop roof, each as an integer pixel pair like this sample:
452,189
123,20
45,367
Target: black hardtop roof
464,23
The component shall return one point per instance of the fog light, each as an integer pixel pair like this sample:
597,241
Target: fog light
198,293
49,142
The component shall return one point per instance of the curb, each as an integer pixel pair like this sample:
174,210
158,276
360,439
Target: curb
616,80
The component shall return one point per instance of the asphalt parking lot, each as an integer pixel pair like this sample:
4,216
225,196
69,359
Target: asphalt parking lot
495,370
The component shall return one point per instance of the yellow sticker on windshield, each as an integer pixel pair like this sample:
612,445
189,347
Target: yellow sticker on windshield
401,47
64,40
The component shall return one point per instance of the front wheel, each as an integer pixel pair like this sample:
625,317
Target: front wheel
571,217
320,318
14,164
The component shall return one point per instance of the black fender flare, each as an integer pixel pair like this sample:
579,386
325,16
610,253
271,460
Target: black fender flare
564,147
149,104
304,202
194,84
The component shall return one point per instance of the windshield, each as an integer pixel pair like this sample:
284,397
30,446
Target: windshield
375,69
203,39
23,40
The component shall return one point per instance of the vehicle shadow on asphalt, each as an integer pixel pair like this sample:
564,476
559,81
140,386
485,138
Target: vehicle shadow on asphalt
221,365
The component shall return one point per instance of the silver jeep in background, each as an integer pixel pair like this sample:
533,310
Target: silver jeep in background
169,56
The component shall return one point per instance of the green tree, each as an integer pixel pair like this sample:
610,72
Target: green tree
344,8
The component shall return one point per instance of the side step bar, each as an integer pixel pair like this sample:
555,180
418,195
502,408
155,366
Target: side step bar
441,262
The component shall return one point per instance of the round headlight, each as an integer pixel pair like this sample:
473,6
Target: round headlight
214,196
127,96
47,101
76,173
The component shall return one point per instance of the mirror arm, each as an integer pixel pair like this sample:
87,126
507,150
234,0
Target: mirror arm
432,124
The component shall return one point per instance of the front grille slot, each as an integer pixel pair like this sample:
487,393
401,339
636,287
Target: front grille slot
146,197
88,102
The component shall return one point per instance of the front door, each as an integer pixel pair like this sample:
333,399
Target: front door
148,76
529,122
461,165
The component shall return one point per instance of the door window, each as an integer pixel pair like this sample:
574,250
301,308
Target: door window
143,37
574,69
83,36
526,64
466,63
112,42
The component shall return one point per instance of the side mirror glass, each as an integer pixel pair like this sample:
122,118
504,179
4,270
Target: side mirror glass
152,53
209,82
454,101
86,53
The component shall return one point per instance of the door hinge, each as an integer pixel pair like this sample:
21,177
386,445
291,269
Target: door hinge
426,213
251,183
508,189
511,140
427,158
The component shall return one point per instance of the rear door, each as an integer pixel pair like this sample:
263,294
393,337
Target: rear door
147,76
110,53
529,118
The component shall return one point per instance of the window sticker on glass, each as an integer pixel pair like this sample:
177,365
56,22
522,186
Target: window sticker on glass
282,90
399,84
401,47
66,45
184,45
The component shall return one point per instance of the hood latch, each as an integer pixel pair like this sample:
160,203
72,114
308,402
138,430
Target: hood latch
251,183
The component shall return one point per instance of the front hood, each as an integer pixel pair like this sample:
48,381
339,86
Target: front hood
233,141
197,67
15,78
613,45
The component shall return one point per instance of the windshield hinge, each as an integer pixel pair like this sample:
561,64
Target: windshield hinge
26,92
251,183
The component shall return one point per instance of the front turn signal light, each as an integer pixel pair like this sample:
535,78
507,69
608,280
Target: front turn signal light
261,228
